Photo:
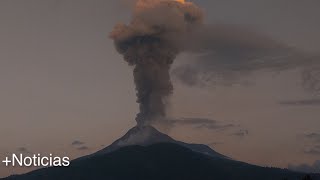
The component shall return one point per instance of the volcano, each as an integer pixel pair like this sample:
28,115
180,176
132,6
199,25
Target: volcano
144,153
148,135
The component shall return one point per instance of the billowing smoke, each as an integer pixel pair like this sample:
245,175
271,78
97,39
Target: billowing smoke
161,29
150,44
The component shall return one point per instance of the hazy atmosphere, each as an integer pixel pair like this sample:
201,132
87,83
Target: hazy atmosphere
66,90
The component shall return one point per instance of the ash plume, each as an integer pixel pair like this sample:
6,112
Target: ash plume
150,43
160,29
226,53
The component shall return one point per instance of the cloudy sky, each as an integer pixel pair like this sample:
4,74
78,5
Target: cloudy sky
65,90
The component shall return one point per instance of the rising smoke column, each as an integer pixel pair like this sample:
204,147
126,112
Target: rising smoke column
150,43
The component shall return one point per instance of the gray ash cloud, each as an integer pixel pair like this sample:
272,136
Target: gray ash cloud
161,29
225,54
150,44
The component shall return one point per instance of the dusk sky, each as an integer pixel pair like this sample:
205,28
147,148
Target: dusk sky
65,89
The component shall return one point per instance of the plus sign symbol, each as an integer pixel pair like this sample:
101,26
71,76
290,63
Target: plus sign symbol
6,162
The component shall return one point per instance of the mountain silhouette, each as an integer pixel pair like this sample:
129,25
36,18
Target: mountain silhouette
147,154
148,135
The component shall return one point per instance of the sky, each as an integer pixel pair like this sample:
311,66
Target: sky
65,90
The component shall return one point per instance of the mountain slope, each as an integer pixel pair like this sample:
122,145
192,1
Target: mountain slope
148,135
162,161
144,153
